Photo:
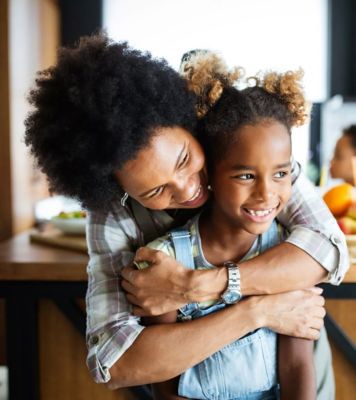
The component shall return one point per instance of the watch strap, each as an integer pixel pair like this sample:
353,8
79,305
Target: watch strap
233,289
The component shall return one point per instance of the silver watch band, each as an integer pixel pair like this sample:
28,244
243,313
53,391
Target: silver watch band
233,276
232,294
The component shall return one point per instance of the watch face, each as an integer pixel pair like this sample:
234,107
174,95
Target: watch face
231,297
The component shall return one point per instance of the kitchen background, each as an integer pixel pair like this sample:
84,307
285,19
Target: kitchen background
317,35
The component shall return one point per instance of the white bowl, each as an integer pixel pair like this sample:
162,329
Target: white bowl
74,226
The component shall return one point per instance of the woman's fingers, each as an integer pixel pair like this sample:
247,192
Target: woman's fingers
312,334
319,312
147,254
128,273
315,289
298,313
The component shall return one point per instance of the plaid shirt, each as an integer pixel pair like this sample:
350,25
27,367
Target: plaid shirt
113,237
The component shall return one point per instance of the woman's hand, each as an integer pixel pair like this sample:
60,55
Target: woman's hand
158,289
298,313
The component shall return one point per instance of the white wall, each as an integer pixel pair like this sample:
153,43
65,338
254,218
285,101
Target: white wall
33,36
256,34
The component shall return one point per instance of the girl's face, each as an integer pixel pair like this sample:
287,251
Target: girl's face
341,164
252,182
169,173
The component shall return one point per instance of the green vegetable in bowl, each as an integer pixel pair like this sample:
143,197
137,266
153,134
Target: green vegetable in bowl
71,214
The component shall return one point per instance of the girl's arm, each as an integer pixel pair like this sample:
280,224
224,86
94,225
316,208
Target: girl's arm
296,371
166,390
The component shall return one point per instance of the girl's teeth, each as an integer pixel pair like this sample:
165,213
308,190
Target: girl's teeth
261,213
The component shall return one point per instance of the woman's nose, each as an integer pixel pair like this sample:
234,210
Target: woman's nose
184,189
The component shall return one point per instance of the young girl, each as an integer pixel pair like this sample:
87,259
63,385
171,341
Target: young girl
247,139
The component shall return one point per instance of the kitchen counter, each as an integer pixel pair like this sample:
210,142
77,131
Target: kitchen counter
45,357
30,272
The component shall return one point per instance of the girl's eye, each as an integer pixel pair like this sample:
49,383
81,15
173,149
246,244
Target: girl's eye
156,192
245,177
184,161
280,174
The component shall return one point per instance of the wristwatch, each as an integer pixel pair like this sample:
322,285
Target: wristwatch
232,294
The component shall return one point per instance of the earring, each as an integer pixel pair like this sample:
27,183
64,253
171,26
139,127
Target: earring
123,199
210,188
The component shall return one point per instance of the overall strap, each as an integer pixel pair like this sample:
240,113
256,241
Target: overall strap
180,238
144,221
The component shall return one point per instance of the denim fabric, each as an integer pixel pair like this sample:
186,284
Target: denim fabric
243,370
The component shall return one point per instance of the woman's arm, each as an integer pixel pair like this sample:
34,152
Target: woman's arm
111,326
296,370
121,350
315,251
166,390
167,285
178,346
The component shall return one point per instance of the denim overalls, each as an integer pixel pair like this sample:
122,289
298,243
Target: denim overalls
243,370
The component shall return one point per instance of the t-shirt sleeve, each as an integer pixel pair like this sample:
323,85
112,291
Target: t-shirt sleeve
162,244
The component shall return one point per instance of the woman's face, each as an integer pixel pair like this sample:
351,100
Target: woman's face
169,173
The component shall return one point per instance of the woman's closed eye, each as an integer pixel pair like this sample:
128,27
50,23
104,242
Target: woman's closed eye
156,192
184,161
159,190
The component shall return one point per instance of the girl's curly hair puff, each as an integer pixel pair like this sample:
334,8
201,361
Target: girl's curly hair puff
207,75
274,97
287,86
95,110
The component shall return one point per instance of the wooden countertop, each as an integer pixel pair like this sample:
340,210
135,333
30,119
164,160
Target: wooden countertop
22,260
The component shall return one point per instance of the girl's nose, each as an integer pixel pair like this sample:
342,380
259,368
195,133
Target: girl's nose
265,190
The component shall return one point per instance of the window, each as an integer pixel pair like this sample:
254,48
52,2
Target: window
255,34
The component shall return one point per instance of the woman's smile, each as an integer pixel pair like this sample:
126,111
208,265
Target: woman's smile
169,173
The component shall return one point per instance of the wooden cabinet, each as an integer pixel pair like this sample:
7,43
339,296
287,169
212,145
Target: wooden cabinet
45,352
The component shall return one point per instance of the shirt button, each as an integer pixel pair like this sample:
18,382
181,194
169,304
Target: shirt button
94,340
336,240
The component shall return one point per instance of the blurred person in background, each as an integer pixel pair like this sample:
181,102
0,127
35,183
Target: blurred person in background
342,165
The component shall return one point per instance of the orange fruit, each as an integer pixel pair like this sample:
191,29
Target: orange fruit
339,199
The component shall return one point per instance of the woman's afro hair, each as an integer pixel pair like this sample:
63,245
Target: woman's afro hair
95,109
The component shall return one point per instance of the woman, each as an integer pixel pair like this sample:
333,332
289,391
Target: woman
110,121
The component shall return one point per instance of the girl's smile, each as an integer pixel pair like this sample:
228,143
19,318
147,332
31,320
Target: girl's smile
261,215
